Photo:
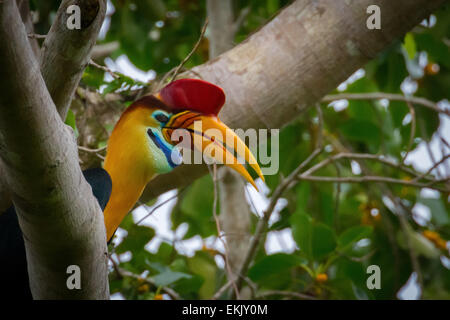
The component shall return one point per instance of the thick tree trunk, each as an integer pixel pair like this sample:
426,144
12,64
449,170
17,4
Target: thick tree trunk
60,219
307,50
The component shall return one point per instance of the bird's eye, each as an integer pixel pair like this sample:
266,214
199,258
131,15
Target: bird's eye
161,117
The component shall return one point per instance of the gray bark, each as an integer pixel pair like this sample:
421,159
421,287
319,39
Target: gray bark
24,9
66,53
5,200
60,219
221,26
64,50
25,14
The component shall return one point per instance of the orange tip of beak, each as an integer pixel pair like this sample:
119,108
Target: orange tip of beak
215,140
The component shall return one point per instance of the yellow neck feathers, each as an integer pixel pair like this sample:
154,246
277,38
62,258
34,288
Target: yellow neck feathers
128,162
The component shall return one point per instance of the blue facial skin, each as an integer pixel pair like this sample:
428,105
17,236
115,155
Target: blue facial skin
156,136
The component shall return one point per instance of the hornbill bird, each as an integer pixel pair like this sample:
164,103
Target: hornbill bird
141,146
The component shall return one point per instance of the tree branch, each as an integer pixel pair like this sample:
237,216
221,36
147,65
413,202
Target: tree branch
221,28
366,156
283,69
59,217
371,179
69,51
101,51
383,95
24,10
286,294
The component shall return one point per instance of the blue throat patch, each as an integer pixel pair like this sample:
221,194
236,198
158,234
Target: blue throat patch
162,146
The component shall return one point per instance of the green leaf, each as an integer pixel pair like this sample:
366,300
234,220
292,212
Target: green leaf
273,6
361,109
168,277
93,77
203,265
349,237
360,130
195,207
122,83
158,267
323,241
137,238
436,49
302,229
165,255
420,244
389,70
70,120
189,287
410,45
315,240
273,264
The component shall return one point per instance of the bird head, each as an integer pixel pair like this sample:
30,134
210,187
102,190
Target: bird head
145,130
142,144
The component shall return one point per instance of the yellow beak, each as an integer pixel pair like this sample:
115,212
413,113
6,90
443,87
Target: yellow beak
212,137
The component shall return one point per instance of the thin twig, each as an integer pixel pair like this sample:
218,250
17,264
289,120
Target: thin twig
443,144
319,142
382,95
400,212
288,294
371,179
432,168
104,68
412,134
202,33
241,18
159,206
125,273
195,73
338,196
36,36
366,156
97,152
252,203
86,149
429,151
174,71
224,288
